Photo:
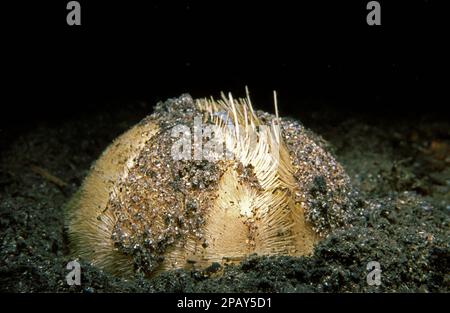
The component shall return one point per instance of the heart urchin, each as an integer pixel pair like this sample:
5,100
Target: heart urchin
170,193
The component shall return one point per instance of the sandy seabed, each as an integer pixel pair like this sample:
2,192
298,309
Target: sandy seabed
400,167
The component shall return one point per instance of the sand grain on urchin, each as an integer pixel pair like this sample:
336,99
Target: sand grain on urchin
141,210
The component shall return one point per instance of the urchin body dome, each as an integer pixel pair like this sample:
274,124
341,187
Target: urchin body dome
143,207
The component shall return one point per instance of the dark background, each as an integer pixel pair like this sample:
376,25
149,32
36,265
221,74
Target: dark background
314,53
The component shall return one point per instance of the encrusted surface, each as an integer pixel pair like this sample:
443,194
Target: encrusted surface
161,200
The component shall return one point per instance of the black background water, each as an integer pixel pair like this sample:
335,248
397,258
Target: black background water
313,53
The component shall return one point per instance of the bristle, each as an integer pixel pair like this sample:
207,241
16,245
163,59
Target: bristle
259,148
275,104
250,103
264,150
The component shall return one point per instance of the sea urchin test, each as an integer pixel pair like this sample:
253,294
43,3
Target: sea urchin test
203,181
